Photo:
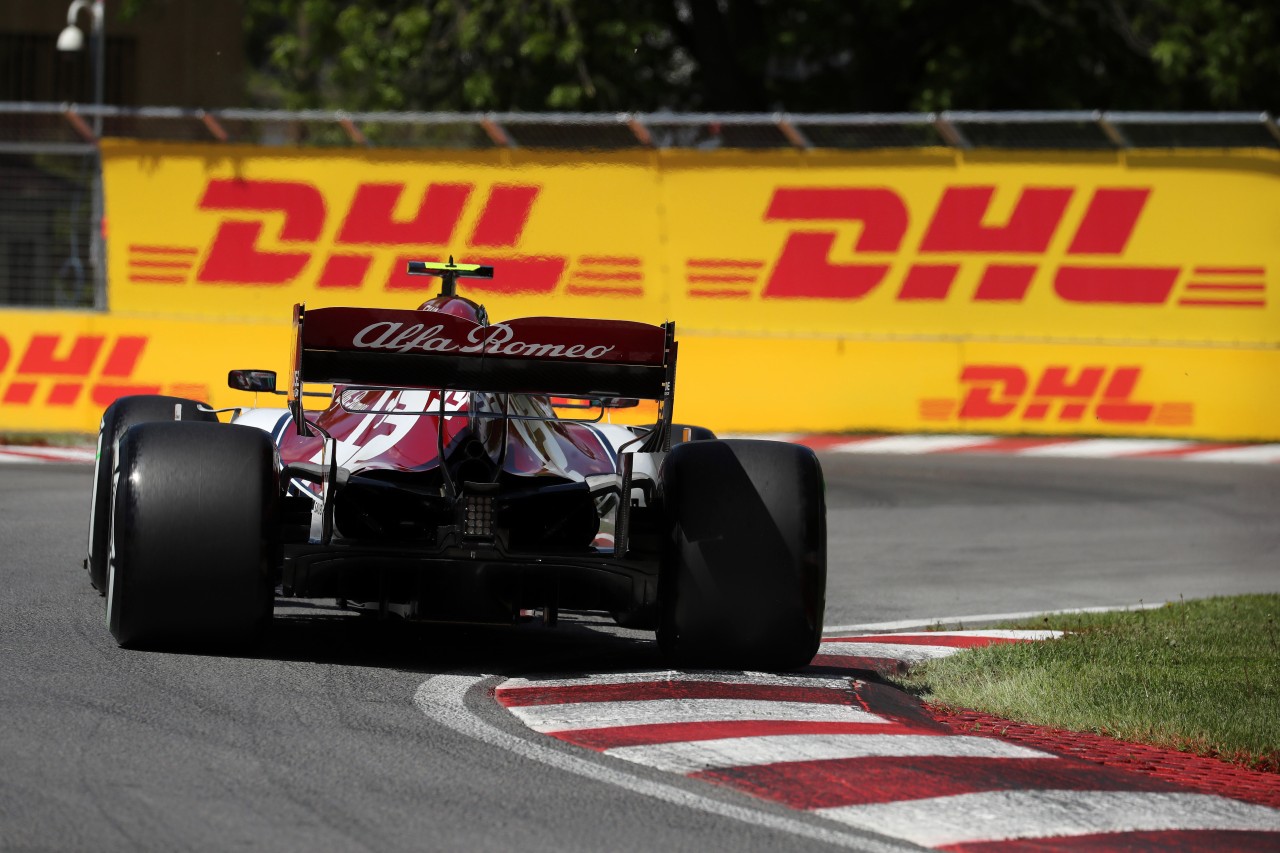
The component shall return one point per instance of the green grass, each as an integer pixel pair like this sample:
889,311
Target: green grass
1200,676
48,439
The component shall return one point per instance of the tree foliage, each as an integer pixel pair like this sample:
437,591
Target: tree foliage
763,55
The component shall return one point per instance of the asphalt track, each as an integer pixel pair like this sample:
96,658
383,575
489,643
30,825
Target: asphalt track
316,741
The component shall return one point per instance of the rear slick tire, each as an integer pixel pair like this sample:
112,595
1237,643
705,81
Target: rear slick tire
744,568
195,510
119,416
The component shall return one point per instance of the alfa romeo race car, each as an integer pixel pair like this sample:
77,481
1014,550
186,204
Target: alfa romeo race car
462,470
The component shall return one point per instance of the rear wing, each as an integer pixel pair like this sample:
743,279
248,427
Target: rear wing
556,356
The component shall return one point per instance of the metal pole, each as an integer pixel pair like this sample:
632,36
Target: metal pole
98,247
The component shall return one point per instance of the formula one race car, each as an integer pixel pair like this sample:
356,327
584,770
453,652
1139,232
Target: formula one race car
462,470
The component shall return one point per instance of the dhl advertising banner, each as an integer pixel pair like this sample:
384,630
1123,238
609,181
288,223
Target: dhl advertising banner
1123,293
60,369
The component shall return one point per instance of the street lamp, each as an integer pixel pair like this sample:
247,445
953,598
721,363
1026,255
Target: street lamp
72,39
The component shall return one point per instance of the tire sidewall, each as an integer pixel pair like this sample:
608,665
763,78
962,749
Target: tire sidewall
116,419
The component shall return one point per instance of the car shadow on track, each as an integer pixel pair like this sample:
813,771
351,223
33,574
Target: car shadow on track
326,634
580,644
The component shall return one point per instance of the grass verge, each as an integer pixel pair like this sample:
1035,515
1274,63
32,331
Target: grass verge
1200,676
48,439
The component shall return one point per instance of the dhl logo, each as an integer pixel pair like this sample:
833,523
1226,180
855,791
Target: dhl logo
1059,393
819,223
1012,252
63,367
236,255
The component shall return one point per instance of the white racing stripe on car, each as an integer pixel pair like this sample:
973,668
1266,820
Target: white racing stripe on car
694,756
442,699
904,653
762,679
578,716
911,444
1007,815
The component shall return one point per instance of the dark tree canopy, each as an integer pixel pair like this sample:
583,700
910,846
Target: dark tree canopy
763,55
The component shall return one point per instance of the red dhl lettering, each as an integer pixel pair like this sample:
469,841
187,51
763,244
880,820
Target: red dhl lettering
64,366
1059,393
817,218
959,224
236,256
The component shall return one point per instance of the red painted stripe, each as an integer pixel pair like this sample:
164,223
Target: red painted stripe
609,260
1207,774
718,263
163,250
1230,270
714,294
707,278
960,642
27,453
1221,303
172,265
639,691
857,663
166,279
601,290
680,732
1186,451
1182,841
1006,445
887,779
1206,285
824,442
623,275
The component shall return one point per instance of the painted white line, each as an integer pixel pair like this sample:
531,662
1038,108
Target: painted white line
1105,448
1252,454
440,698
908,624
11,457
980,633
14,453
904,653
912,444
762,679
693,756
577,716
1005,815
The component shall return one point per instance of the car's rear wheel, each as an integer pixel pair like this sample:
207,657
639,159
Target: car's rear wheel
119,416
743,579
195,510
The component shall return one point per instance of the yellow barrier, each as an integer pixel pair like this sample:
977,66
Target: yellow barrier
1002,388
59,370
1115,247
1115,294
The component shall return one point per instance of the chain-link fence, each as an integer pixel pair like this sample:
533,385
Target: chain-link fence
69,124
50,238
47,245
